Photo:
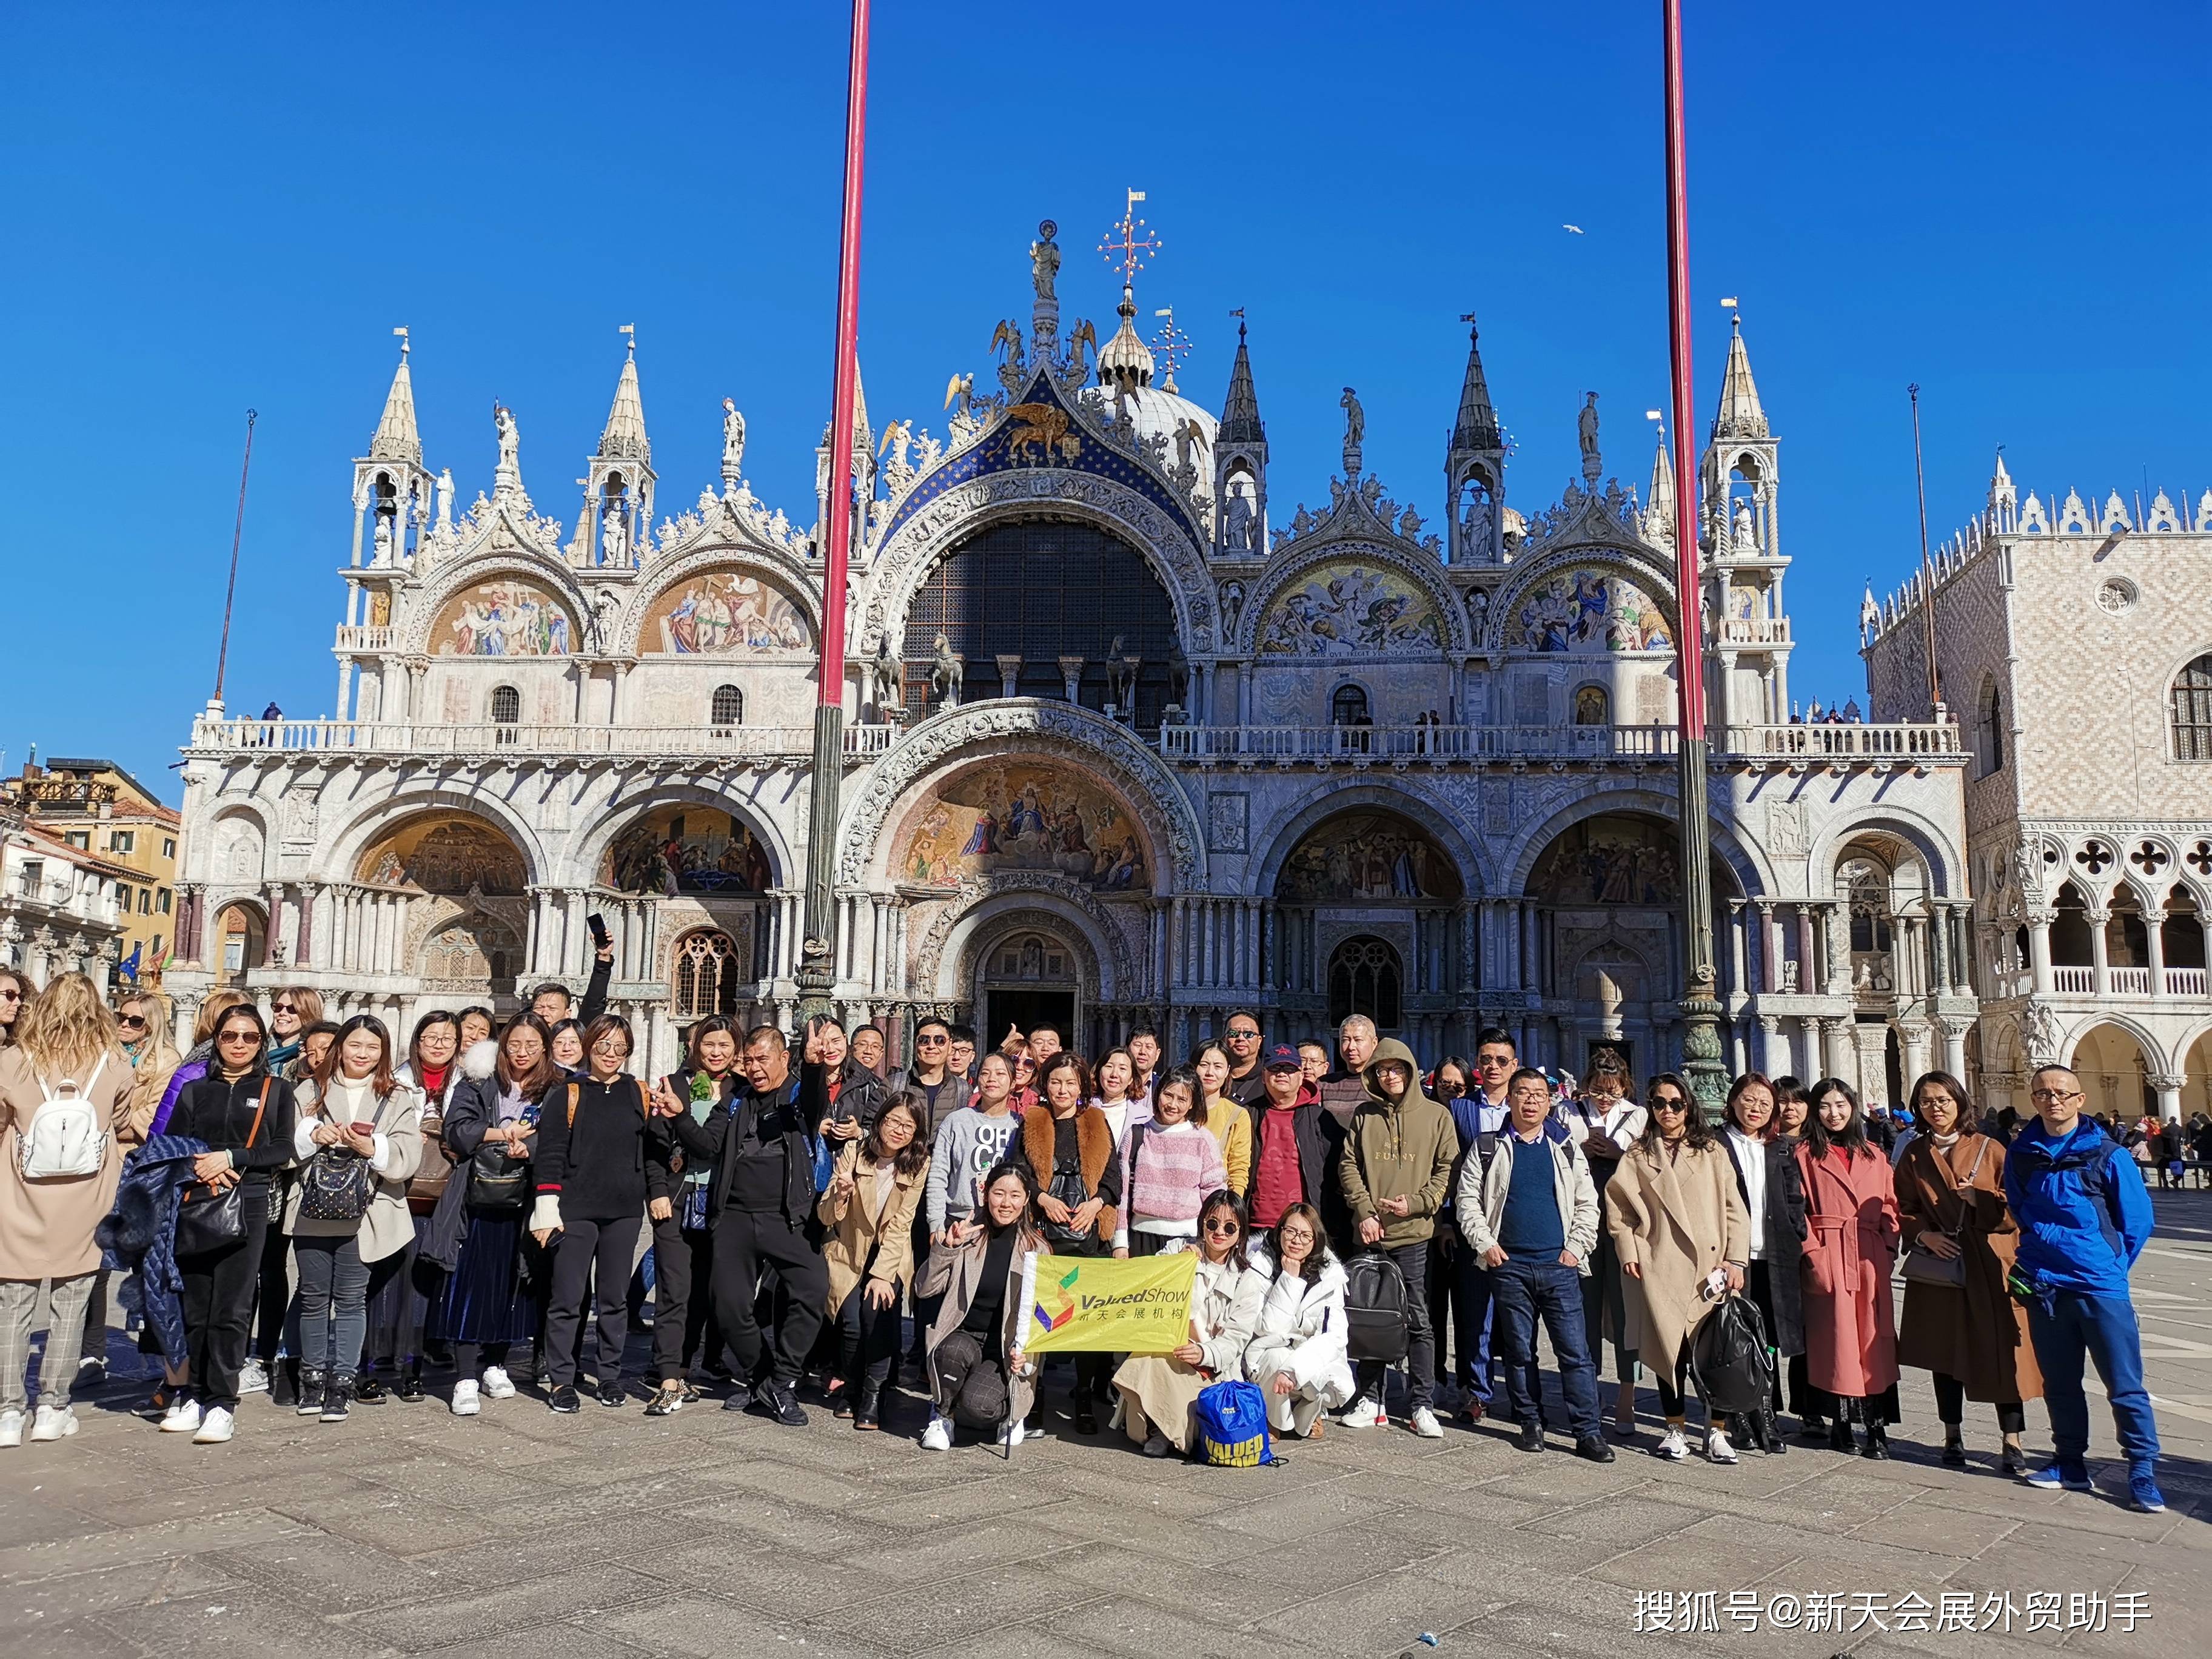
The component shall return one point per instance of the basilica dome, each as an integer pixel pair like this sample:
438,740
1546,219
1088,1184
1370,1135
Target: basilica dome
1126,367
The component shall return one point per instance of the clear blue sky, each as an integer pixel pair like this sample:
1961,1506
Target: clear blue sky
218,206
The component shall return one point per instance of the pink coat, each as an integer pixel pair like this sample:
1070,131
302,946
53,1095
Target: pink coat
1851,1229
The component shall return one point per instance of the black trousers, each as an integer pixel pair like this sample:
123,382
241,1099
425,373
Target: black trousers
273,1288
1951,1407
972,1386
747,1243
217,1301
867,1336
679,1272
611,1244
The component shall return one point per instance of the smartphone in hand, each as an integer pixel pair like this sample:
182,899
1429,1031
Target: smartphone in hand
598,924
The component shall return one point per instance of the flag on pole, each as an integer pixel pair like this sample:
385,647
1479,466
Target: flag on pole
1096,1304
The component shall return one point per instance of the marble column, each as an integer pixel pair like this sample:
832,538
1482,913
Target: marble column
1871,1042
2168,1089
2101,953
1912,1037
1773,1048
2039,951
1955,1046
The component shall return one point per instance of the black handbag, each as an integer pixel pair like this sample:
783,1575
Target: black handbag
1067,1187
336,1185
210,1220
1923,1266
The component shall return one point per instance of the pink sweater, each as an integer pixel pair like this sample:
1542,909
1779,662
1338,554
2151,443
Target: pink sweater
1174,1170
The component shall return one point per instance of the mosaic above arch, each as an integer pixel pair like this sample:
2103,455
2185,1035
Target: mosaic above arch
1364,857
1020,815
444,854
1350,607
1587,610
1611,860
728,612
687,848
504,616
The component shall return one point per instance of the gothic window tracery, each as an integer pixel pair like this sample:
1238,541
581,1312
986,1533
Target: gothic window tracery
1364,978
2191,711
706,977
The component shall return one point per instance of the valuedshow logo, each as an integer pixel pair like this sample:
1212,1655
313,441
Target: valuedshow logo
1064,1300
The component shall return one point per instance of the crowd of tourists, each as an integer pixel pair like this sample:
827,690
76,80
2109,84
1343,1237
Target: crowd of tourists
318,1211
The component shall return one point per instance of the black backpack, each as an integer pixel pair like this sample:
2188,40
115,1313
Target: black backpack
1376,1309
1728,1359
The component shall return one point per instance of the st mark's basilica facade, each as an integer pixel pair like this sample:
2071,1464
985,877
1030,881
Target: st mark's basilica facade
1136,731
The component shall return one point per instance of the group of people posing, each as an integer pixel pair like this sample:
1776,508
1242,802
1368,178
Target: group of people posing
299,1205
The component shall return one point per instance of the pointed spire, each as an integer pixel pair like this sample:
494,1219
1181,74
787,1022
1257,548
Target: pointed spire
1125,362
624,438
1477,426
396,438
1662,499
1240,413
1739,415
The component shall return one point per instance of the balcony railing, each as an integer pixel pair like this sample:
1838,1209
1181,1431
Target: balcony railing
1358,743
364,639
2128,982
2073,981
2187,982
1899,741
1755,630
488,737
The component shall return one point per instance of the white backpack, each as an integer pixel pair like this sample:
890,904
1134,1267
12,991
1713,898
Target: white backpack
66,1138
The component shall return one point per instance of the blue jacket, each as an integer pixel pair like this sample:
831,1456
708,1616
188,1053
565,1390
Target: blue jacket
2083,1214
139,1235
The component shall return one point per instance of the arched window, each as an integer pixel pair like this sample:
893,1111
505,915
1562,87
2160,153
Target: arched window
2191,711
705,975
729,706
1364,978
1349,706
1989,731
505,705
1592,706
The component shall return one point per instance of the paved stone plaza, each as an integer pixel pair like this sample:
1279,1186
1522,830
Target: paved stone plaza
411,1531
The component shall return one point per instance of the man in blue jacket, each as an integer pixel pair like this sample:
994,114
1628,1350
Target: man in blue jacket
2084,1217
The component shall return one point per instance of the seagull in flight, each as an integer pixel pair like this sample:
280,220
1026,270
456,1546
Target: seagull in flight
1572,229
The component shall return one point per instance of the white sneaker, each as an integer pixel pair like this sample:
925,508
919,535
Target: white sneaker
252,1377
54,1423
1120,1412
937,1437
1717,1447
465,1401
1425,1424
496,1384
1364,1413
11,1428
183,1418
216,1427
1673,1446
1156,1444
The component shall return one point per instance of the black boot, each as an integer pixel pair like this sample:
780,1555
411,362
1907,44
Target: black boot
1839,1436
311,1391
410,1383
866,1407
367,1391
1768,1433
1877,1442
336,1393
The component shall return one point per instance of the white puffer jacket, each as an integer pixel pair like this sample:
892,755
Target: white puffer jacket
1225,1310
1301,1328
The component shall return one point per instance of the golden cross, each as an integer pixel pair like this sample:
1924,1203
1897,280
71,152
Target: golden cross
1132,251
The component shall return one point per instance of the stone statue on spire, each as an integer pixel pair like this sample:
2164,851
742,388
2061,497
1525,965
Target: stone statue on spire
509,475
1044,262
733,444
1586,430
1355,431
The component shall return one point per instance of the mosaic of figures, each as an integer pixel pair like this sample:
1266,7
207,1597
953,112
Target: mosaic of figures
1365,856
1590,610
501,619
1022,815
1345,608
1611,860
452,855
724,613
687,849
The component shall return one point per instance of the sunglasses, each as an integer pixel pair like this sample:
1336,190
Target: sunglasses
1229,1228
11,996
931,1042
1665,1105
284,1008
1243,1036
130,1022
240,1037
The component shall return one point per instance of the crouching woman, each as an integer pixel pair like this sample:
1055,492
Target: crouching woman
979,1377
1297,1355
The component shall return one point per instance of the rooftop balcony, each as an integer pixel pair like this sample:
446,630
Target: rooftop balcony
400,738
1361,745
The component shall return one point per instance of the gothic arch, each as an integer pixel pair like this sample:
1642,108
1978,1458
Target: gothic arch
2153,1052
358,833
1639,567
1296,558
924,536
1280,837
1742,857
225,827
1106,973
589,851
1942,858
460,574
946,741
780,570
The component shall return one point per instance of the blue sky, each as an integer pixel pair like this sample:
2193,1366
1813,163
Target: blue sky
219,206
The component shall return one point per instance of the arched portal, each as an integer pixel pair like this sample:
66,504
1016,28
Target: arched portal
2115,1073
1366,977
241,943
1021,976
439,896
710,869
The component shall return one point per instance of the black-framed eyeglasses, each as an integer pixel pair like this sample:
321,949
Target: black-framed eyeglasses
2055,1097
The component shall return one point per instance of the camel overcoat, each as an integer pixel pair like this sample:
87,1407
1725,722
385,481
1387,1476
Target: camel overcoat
1678,1216
1977,1334
1851,1244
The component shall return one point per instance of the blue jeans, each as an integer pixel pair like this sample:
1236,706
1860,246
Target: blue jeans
2104,1328
1523,1291
333,1301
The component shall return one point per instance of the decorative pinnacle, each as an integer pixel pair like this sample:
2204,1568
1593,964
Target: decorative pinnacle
402,333
1171,347
1131,252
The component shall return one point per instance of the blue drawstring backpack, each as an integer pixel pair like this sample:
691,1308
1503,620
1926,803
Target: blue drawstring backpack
1232,1425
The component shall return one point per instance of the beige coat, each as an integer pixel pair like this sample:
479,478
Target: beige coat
45,1226
389,1225
953,1271
855,1229
1679,1218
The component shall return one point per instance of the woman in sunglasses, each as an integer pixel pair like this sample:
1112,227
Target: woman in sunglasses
247,1118
291,1011
1680,1229
1159,1390
16,995
142,1027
